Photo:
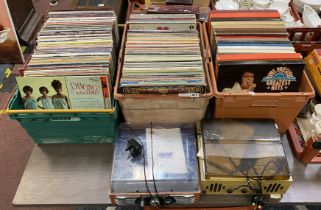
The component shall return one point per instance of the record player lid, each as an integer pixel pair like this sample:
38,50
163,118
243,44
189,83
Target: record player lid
170,159
240,129
241,148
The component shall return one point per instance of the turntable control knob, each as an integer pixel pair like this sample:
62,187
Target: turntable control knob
244,190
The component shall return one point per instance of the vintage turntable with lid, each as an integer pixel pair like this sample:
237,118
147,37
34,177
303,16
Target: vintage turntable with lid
166,171
242,157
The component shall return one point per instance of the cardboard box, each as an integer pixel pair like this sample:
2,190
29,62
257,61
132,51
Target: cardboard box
313,64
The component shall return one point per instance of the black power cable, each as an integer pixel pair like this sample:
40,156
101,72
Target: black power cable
152,155
258,198
144,162
53,2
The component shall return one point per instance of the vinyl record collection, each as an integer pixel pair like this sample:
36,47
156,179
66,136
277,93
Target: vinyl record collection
254,48
175,22
163,55
79,46
168,72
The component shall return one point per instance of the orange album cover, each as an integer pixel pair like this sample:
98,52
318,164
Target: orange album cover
232,14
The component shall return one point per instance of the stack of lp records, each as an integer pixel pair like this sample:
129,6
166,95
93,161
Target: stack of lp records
252,52
72,66
163,55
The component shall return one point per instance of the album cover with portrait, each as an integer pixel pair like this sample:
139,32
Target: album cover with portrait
44,92
260,76
71,92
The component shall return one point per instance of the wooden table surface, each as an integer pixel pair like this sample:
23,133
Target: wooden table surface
79,174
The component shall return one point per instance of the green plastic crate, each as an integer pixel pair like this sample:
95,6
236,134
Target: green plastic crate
66,126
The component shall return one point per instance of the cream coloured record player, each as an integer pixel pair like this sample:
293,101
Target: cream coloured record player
242,157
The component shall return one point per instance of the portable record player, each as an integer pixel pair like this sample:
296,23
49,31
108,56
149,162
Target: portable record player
155,165
242,157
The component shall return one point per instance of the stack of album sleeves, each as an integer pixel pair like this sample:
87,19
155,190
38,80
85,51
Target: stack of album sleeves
162,55
252,52
72,66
